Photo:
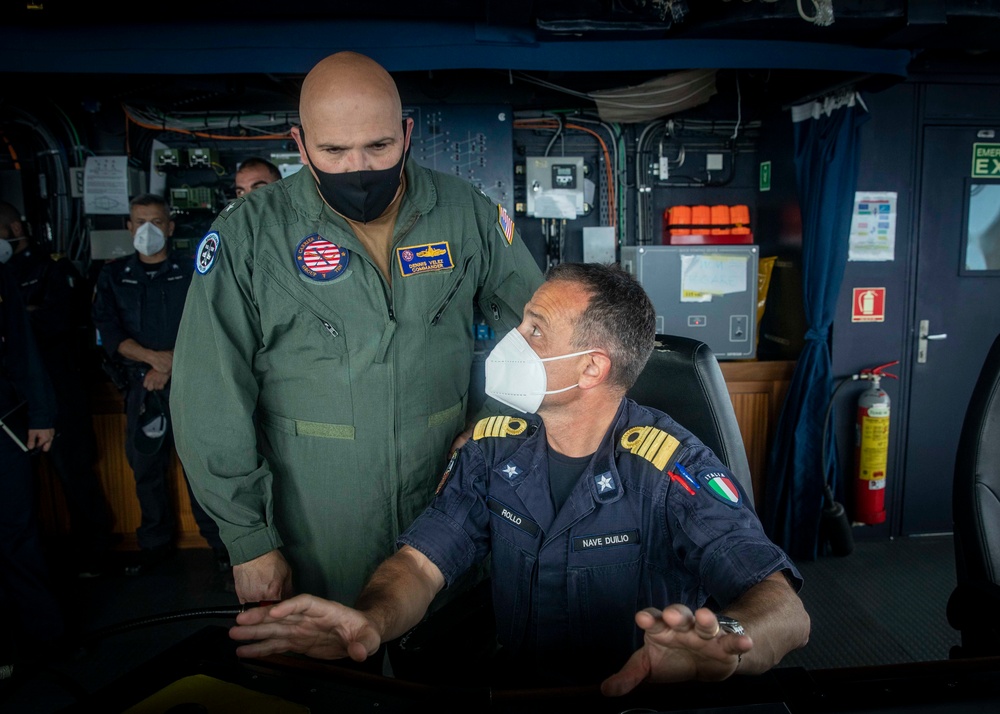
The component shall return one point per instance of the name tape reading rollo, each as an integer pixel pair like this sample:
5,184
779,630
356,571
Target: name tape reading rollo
521,521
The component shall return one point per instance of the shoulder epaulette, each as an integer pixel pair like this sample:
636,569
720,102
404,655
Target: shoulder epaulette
499,426
655,445
231,206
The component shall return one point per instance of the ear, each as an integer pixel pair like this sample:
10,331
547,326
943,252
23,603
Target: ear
407,132
596,371
170,229
297,135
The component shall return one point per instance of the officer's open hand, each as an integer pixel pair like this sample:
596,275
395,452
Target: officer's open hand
678,646
307,625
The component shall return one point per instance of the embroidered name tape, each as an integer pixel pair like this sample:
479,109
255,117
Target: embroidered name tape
521,521
426,258
606,540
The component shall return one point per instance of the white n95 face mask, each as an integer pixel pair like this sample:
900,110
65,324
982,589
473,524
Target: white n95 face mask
515,375
149,239
6,250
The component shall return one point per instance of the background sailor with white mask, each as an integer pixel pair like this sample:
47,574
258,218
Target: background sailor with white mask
138,302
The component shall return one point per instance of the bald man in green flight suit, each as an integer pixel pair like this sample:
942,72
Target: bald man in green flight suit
322,368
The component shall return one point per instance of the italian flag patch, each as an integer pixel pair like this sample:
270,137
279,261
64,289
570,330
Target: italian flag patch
722,487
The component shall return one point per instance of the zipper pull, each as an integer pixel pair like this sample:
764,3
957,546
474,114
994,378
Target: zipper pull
330,328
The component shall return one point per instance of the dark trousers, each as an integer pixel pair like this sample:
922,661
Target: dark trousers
72,458
157,525
33,614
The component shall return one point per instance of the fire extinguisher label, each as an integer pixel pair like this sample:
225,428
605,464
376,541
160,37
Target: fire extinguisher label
878,410
872,460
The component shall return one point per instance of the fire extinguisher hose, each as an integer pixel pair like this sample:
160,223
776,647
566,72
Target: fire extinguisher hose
835,528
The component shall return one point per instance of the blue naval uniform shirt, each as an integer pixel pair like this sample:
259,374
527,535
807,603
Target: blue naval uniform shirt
567,584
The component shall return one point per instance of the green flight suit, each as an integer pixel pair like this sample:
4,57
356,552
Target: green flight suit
314,413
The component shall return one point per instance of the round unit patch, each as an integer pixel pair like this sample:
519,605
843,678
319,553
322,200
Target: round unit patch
319,259
722,487
205,255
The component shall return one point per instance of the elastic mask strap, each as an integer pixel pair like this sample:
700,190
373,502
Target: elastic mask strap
574,354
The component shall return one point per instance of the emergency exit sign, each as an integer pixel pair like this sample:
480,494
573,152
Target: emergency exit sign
985,160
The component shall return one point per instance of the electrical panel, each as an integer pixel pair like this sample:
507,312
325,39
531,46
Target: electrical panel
196,197
707,293
199,157
554,186
473,142
166,158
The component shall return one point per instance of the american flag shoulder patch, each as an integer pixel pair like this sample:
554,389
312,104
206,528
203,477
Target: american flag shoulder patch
505,224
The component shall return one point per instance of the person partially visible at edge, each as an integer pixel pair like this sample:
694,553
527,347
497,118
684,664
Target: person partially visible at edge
253,173
57,301
628,551
323,365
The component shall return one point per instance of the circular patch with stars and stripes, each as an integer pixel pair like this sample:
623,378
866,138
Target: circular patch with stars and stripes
319,259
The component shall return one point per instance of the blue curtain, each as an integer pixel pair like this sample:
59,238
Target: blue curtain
827,152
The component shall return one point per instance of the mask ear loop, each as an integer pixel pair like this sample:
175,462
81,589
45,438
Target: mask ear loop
573,354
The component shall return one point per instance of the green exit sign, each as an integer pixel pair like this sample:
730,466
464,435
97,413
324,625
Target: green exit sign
985,160
765,175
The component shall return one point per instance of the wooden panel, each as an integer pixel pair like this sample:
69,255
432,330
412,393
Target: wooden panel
752,414
118,483
758,390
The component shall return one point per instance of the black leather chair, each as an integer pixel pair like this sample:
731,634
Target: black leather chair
683,379
974,606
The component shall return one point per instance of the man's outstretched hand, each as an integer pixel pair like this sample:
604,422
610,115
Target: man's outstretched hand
679,646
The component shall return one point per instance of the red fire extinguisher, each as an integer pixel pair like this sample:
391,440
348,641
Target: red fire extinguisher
871,452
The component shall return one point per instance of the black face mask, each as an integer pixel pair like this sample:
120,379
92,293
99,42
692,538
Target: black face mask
359,195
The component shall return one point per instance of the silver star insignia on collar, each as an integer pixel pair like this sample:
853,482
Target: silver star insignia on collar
511,471
604,483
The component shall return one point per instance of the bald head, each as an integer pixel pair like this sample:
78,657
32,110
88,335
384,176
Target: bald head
348,78
351,115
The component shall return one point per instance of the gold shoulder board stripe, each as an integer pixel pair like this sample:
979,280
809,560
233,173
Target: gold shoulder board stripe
499,426
652,444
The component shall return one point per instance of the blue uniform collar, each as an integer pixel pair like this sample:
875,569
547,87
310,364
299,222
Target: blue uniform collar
529,461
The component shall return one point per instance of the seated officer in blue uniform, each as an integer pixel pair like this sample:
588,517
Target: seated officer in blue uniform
622,549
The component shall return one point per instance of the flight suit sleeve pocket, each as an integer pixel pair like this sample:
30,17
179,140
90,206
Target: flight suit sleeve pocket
503,307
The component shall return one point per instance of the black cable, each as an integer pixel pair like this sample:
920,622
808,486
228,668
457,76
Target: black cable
834,519
226,611
826,425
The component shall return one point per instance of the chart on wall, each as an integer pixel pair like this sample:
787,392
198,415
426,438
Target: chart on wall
473,142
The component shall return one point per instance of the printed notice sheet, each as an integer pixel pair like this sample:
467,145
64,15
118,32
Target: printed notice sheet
873,226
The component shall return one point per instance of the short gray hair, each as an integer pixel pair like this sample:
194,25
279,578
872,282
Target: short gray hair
619,317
